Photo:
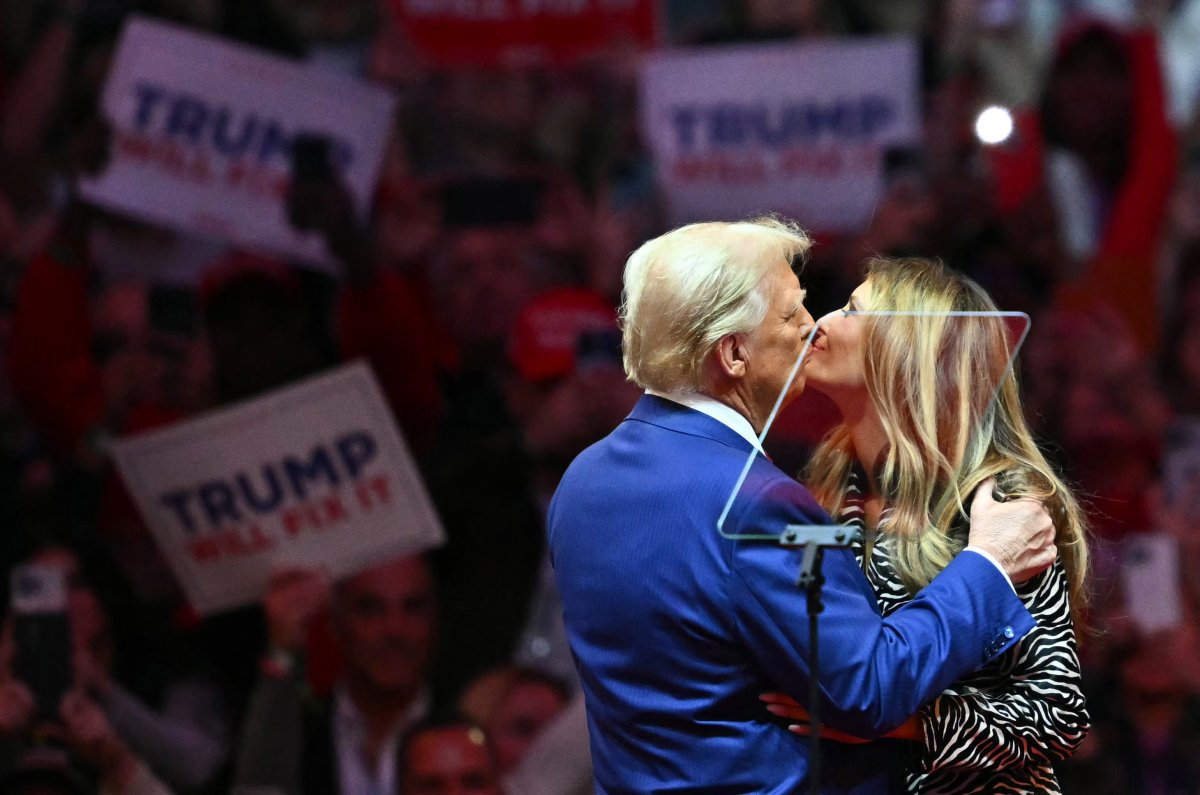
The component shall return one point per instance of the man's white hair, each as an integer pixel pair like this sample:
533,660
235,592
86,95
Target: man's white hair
687,289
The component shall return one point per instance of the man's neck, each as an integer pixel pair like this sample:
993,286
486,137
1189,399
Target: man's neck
741,404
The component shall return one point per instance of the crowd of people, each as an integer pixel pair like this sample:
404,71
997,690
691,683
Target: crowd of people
483,290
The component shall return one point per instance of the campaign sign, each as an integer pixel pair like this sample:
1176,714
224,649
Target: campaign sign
203,131
314,474
798,129
1150,574
1181,469
485,33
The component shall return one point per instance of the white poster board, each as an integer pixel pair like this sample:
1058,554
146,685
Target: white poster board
314,474
798,129
1151,580
202,132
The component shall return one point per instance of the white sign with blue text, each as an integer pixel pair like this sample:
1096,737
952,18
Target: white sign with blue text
203,131
313,474
798,129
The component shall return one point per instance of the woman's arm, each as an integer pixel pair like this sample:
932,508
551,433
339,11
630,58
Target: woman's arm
36,94
1037,718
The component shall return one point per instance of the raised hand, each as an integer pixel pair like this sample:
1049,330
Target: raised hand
17,708
1019,533
17,704
293,597
90,736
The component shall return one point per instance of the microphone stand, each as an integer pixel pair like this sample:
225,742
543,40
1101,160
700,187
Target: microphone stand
814,538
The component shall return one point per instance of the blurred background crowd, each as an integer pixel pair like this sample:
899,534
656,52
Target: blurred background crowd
482,290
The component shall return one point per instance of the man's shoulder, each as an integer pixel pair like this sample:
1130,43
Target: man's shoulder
768,489
635,446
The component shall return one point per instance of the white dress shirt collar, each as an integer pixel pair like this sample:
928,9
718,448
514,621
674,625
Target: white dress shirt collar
354,770
726,415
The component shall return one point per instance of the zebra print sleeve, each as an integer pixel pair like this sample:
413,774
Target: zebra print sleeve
1025,709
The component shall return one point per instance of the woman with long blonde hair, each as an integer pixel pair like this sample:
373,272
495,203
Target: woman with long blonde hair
930,411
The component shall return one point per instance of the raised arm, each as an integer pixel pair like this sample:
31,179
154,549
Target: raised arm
53,368
37,91
270,754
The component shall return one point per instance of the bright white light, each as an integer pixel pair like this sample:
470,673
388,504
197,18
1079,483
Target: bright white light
994,125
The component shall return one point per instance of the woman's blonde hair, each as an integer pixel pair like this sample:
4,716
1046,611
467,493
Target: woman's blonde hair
932,378
687,289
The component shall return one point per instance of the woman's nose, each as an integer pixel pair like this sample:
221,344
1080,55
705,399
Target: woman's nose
828,319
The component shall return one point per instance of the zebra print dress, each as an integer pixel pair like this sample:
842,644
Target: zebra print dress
1000,729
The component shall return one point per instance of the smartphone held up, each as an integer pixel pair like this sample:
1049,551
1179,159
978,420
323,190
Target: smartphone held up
41,635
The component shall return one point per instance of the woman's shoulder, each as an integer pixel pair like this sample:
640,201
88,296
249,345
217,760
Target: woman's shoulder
1049,590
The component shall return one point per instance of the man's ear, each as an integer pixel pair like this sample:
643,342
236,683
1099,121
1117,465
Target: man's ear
730,356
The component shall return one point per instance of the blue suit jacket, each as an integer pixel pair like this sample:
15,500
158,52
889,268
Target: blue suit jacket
677,630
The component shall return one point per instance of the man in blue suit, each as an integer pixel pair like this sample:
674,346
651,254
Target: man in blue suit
677,629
